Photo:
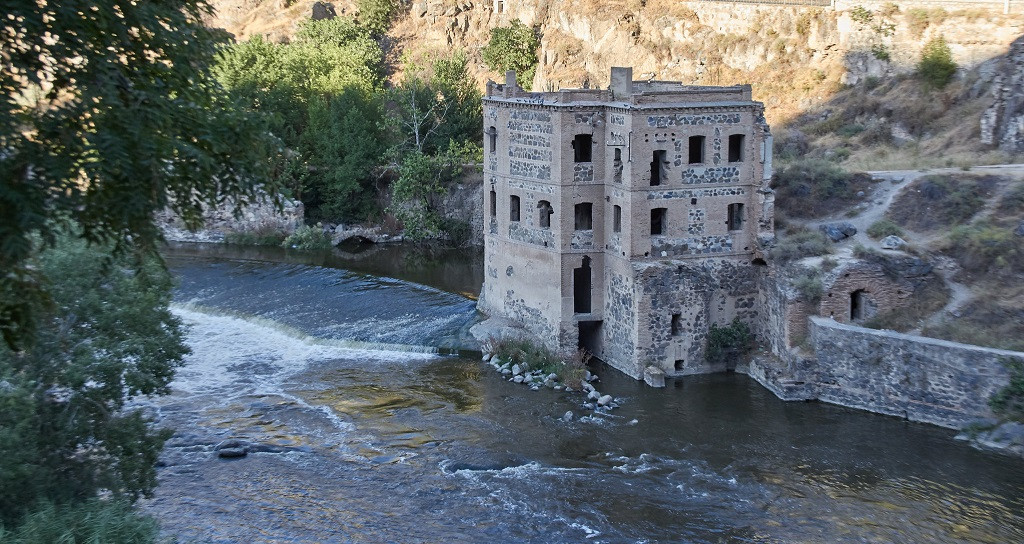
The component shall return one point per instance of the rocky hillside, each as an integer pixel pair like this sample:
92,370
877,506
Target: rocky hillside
795,56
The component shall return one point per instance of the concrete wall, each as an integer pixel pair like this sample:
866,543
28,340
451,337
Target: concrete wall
921,379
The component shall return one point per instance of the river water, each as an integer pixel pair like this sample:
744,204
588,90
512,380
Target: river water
324,362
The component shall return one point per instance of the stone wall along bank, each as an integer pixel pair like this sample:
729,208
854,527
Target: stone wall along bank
921,379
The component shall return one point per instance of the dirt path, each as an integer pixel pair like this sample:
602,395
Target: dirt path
889,184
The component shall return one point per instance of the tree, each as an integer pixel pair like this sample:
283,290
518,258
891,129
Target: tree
107,115
65,433
936,66
513,48
376,15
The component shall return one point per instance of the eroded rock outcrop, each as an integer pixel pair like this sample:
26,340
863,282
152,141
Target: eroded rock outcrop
1002,124
261,217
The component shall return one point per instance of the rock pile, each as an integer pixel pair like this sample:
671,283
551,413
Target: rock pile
536,379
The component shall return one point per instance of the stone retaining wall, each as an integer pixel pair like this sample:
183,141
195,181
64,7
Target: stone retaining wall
921,379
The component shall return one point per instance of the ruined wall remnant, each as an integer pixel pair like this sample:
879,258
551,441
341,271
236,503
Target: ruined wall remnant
261,216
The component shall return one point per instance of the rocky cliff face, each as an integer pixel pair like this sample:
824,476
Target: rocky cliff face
1002,124
260,217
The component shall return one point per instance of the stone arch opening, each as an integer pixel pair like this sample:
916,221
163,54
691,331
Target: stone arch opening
858,304
544,211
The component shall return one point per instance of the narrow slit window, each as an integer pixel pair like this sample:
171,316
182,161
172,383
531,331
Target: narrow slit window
544,211
658,222
736,147
513,208
677,324
696,155
735,220
617,165
617,219
582,147
494,204
584,216
492,139
658,167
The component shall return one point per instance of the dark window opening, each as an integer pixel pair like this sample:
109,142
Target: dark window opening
677,324
693,201
857,300
735,220
696,149
544,211
584,216
736,147
761,262
582,146
492,139
617,219
679,365
658,167
494,204
617,165
658,226
581,287
513,208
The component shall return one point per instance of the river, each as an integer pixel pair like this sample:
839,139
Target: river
325,362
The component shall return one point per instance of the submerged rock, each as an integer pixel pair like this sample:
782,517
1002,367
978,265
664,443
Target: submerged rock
604,400
567,416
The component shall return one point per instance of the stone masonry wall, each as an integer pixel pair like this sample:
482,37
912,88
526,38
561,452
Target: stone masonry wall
921,379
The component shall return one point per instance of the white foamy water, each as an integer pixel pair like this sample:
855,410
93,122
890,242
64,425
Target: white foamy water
257,356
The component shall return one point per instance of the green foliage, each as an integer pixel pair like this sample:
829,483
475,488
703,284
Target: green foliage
940,200
861,15
65,433
1009,401
342,147
308,237
800,244
809,286
268,236
376,15
984,248
513,48
729,343
571,368
882,228
113,121
93,521
815,187
423,180
936,66
881,52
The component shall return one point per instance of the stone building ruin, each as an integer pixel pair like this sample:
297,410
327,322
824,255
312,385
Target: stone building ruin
626,220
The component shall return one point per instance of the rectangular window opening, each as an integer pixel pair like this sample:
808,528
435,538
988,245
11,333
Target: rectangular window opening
584,216
677,324
617,219
658,167
513,208
544,210
658,226
735,220
696,155
492,139
736,148
494,204
582,147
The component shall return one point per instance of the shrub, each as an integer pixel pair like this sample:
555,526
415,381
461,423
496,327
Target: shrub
809,286
936,66
109,522
308,238
882,228
261,236
816,187
984,248
940,200
375,15
1009,401
804,243
729,342
513,48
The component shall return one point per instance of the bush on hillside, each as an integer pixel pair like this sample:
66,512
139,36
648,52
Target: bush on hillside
797,245
936,66
940,201
513,48
816,187
882,228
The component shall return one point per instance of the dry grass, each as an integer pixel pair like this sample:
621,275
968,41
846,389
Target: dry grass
940,201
